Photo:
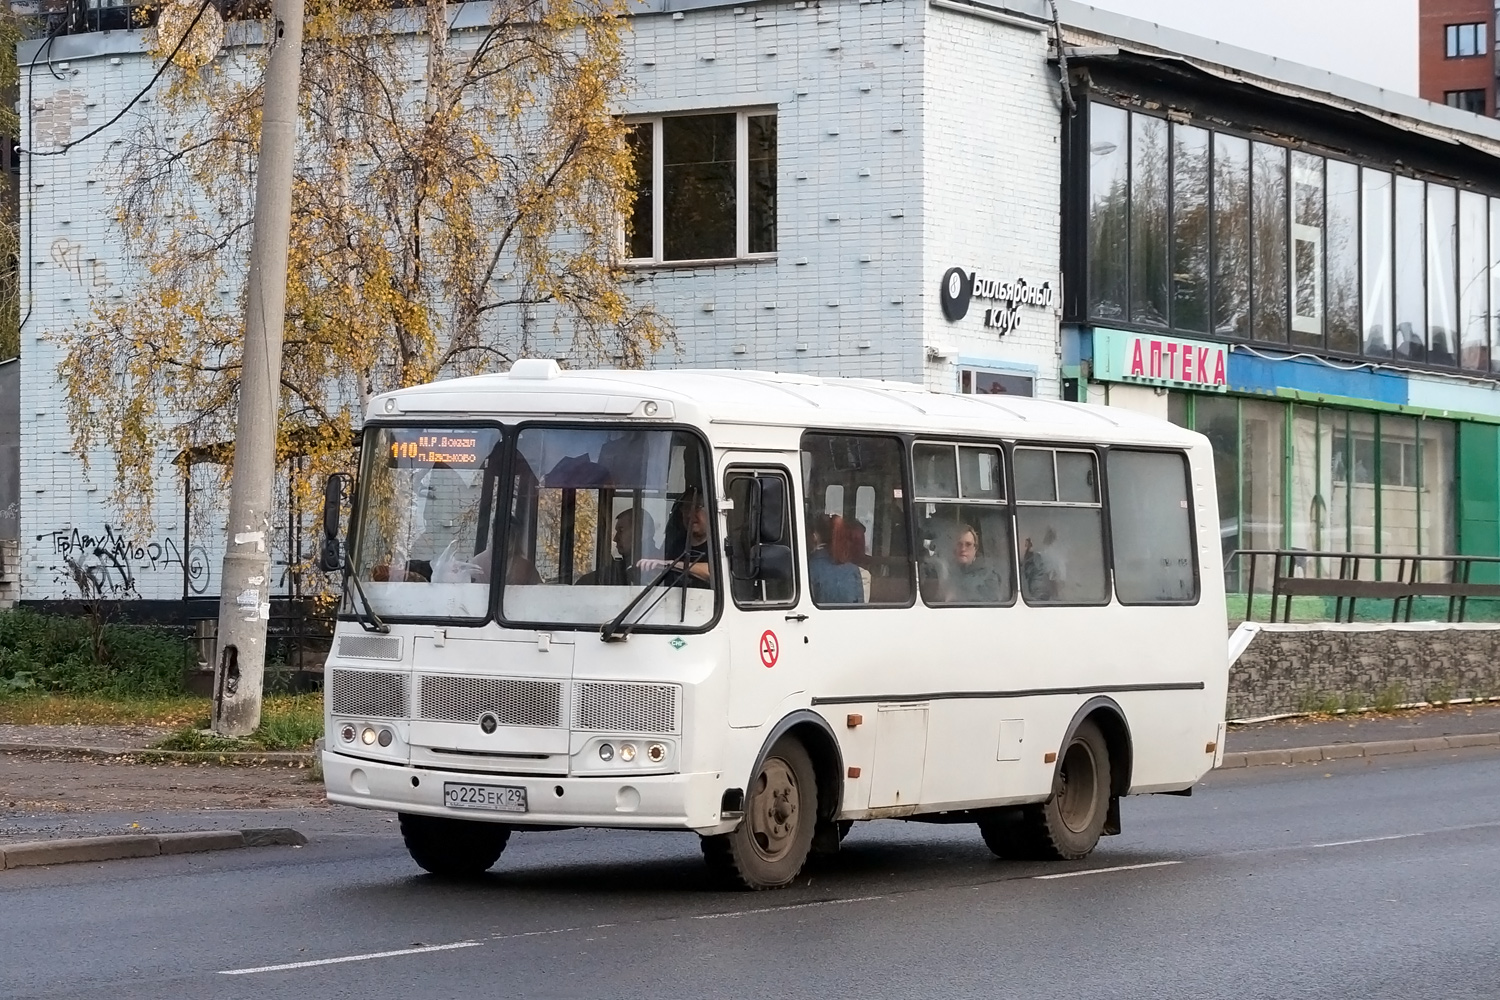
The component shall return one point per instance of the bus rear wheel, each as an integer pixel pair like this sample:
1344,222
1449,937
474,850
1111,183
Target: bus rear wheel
1068,825
770,846
453,848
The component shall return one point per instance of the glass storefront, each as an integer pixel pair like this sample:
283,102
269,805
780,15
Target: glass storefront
1325,479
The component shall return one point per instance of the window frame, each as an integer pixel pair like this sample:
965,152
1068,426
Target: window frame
742,252
715,539
1456,99
908,488
1453,40
1102,505
348,600
755,470
1187,472
1079,254
1006,503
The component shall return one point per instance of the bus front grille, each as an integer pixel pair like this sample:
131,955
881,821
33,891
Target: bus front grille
609,707
370,647
370,694
445,698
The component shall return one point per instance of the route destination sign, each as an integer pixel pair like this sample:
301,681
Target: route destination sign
456,449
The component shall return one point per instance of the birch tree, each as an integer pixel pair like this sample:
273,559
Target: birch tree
453,185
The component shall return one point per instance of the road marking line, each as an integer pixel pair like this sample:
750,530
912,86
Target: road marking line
351,958
782,909
1117,868
1370,840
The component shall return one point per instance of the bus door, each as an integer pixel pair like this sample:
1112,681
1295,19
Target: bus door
767,660
873,661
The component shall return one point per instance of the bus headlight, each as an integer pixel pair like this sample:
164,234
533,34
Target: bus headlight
656,753
347,733
606,752
367,737
627,752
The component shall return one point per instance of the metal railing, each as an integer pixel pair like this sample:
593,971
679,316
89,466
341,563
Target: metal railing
1400,579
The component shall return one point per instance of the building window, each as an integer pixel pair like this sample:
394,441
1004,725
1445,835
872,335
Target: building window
1465,100
705,187
977,381
1463,40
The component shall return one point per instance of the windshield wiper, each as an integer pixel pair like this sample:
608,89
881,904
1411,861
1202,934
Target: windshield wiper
368,619
615,631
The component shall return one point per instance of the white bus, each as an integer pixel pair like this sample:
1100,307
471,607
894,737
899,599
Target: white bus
762,607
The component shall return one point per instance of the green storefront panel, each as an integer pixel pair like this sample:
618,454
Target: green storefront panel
1479,494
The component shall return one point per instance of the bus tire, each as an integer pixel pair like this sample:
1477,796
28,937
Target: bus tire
453,848
771,844
1069,824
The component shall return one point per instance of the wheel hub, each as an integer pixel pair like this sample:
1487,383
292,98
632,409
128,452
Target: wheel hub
773,810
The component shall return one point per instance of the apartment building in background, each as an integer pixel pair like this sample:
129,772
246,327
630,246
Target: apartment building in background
1457,56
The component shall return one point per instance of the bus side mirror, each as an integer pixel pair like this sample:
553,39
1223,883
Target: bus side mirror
771,562
758,551
770,509
330,558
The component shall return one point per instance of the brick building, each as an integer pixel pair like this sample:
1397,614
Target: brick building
1456,54
1300,266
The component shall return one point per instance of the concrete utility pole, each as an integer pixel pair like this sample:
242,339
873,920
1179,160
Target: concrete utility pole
245,589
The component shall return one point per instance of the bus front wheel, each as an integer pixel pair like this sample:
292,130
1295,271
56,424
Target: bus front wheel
1068,825
769,847
453,848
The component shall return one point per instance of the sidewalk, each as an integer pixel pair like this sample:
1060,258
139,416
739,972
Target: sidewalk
1369,727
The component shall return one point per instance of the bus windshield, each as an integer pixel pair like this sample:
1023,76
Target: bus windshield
596,514
422,547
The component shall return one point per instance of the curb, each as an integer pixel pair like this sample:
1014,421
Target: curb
234,756
63,852
1343,751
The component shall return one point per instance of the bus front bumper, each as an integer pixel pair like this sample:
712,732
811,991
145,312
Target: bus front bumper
652,802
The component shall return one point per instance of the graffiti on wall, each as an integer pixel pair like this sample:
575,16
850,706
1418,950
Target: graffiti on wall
111,562
89,272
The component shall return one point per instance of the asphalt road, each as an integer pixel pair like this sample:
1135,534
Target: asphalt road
1361,879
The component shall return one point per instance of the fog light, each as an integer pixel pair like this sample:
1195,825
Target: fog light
606,752
656,753
367,737
386,737
347,734
627,752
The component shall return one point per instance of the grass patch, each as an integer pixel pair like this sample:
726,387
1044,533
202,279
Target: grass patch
287,722
85,654
99,710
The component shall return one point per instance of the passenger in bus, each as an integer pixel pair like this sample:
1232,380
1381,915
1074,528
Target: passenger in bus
1042,568
622,571
688,538
970,579
518,568
832,581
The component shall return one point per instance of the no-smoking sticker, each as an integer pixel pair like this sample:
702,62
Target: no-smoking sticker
770,648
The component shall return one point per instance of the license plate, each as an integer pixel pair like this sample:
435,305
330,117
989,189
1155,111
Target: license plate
494,798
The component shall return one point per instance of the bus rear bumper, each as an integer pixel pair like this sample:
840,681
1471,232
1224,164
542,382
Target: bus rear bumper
648,802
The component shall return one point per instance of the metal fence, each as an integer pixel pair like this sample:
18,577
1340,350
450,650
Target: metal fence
1350,577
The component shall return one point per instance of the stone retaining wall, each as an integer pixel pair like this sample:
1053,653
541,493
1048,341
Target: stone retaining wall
1307,668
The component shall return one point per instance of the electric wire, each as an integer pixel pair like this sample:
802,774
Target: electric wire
160,70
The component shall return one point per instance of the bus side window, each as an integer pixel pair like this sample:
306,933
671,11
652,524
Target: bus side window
859,482
1150,524
1060,526
967,555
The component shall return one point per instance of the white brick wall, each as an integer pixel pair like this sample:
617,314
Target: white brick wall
992,171
911,139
